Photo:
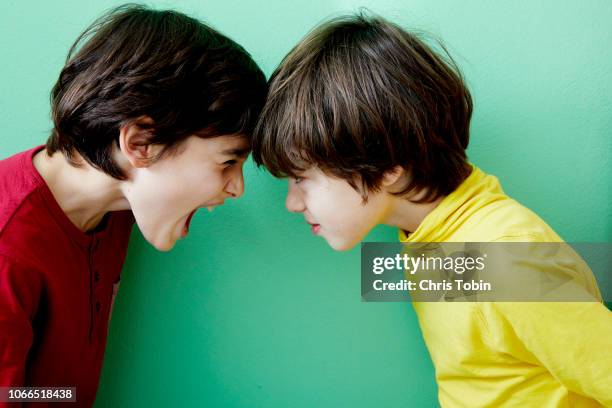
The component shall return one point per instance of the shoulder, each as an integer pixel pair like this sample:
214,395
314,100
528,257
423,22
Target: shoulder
508,220
17,183
25,223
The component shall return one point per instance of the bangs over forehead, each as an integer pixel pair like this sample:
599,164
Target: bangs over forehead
313,110
359,96
292,131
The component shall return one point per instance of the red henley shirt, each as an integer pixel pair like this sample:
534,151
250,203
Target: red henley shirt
57,285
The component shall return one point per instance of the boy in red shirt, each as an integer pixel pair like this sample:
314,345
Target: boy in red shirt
152,117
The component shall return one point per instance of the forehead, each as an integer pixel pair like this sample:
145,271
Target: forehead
232,145
319,176
228,145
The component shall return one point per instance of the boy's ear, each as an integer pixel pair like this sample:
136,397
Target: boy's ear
134,142
391,177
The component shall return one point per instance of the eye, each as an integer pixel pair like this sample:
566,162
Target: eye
230,162
297,180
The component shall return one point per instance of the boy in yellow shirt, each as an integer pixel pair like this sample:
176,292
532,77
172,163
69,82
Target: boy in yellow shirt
371,126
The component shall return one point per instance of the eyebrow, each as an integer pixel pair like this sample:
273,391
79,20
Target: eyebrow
240,152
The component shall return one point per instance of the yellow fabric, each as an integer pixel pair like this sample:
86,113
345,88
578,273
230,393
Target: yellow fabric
496,354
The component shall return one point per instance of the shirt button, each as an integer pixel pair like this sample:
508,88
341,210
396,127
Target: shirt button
98,306
96,276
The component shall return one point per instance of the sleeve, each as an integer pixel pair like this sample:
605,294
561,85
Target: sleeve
20,289
572,340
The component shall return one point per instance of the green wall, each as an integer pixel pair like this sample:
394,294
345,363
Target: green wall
251,310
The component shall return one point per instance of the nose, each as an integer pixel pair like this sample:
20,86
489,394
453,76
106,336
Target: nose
235,186
294,201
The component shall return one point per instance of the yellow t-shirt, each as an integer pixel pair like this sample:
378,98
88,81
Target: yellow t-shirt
511,354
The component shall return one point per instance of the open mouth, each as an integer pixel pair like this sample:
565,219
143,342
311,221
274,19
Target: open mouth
210,207
315,228
187,223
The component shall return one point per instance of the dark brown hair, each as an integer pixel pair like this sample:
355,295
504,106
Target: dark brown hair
134,62
359,96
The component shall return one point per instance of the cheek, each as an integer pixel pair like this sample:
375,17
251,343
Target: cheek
155,204
340,210
356,221
352,219
208,187
190,188
347,226
160,200
150,192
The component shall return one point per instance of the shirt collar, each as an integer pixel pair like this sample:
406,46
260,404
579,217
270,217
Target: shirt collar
83,239
468,197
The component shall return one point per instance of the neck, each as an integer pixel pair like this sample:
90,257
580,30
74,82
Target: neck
84,193
407,215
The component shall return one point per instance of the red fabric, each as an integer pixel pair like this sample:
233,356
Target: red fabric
56,286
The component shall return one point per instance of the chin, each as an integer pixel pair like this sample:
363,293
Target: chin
163,238
163,245
342,245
